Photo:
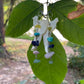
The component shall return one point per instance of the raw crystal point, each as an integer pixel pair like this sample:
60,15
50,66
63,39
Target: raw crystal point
37,34
35,43
36,61
49,55
51,46
50,39
35,52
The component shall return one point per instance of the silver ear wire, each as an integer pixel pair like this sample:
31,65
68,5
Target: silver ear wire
49,1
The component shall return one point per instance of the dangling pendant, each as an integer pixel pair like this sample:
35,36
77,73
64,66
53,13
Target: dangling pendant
35,44
36,53
36,61
51,62
50,53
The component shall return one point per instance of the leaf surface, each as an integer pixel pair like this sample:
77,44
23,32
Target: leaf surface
21,18
68,28
49,73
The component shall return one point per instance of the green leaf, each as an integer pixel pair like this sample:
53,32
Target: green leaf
79,21
63,6
81,81
21,18
71,30
68,28
49,73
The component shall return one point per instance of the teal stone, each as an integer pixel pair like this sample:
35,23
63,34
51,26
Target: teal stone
37,34
36,61
50,39
50,62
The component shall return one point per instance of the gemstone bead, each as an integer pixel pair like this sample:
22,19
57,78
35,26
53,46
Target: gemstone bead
49,28
37,26
49,55
37,34
36,61
35,52
35,43
50,62
50,39
51,46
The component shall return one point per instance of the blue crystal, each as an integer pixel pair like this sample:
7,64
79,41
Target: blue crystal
51,46
37,34
50,39
35,43
36,61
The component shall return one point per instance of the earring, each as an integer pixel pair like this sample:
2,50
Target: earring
36,53
50,40
36,43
